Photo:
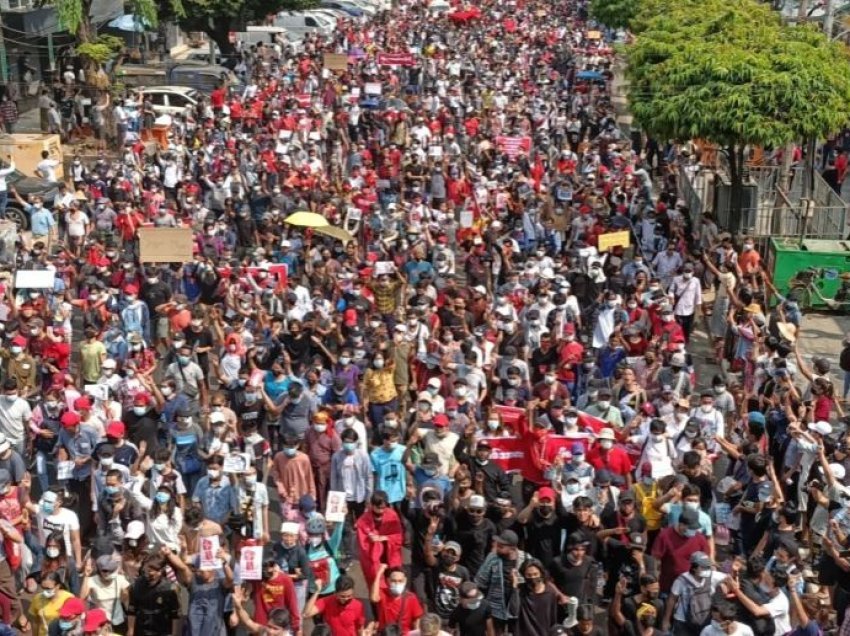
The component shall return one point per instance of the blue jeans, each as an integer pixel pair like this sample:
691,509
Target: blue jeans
377,412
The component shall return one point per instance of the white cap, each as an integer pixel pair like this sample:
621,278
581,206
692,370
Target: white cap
824,428
285,243
435,382
109,363
477,501
289,527
838,471
606,433
480,289
216,417
135,529
401,328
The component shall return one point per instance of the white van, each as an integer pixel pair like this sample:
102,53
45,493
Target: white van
304,23
267,35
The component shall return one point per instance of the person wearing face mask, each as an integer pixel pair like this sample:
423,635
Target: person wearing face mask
632,610
687,295
472,615
538,600
380,534
275,590
675,544
607,454
152,606
378,389
106,590
395,604
216,494
47,603
292,474
688,607
186,440
135,315
442,442
603,409
167,398
164,517
341,612
444,575
608,316
322,441
188,378
543,520
20,366
489,474
15,415
575,572
70,620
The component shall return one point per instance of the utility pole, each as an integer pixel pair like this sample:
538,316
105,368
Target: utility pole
829,18
4,63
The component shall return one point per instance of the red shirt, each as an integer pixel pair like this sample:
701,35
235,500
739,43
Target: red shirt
390,606
344,620
673,552
277,592
615,460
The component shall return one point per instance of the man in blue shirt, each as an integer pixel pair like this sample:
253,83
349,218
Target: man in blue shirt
218,498
78,441
41,219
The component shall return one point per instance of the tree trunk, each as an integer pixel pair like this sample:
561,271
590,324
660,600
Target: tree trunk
219,32
85,31
736,195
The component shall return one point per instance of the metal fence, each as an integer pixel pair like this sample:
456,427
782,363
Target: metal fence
804,210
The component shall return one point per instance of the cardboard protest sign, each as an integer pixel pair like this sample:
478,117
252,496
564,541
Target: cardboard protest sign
165,244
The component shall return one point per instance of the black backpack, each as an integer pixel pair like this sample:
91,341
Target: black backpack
698,612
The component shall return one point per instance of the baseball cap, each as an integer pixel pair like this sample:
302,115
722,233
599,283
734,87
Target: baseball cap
453,546
135,529
477,501
115,429
545,493
72,607
441,420
689,518
95,619
700,559
507,537
69,419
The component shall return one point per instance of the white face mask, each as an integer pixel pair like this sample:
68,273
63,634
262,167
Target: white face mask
606,444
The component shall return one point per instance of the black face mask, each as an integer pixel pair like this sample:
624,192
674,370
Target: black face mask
546,511
648,621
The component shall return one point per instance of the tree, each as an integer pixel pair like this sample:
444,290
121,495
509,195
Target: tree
75,16
734,75
217,18
616,14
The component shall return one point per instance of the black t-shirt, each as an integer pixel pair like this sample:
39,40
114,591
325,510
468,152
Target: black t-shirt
572,524
471,622
201,339
444,588
574,580
541,361
475,541
154,607
143,428
543,535
156,294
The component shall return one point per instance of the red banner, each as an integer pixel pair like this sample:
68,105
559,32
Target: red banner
278,271
512,146
511,453
395,59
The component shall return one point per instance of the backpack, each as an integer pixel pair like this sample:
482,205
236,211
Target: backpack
698,611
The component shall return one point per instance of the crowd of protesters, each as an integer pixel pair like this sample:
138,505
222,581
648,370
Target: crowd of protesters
473,401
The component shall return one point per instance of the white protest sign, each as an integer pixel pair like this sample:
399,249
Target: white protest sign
235,463
372,88
34,279
384,267
209,550
251,563
336,508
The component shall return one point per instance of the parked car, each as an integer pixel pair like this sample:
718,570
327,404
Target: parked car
171,100
304,23
350,9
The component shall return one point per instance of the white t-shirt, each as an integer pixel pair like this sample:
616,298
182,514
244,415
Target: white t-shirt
64,521
105,594
780,607
740,630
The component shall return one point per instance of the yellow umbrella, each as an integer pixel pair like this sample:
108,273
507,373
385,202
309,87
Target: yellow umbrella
306,219
336,232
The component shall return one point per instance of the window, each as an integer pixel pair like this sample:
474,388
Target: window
157,99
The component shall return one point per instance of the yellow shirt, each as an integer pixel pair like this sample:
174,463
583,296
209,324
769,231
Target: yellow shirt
379,385
43,610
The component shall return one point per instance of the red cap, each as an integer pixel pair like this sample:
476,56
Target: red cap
95,619
646,469
142,399
131,289
115,429
441,420
350,317
69,419
545,493
19,341
82,402
72,607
